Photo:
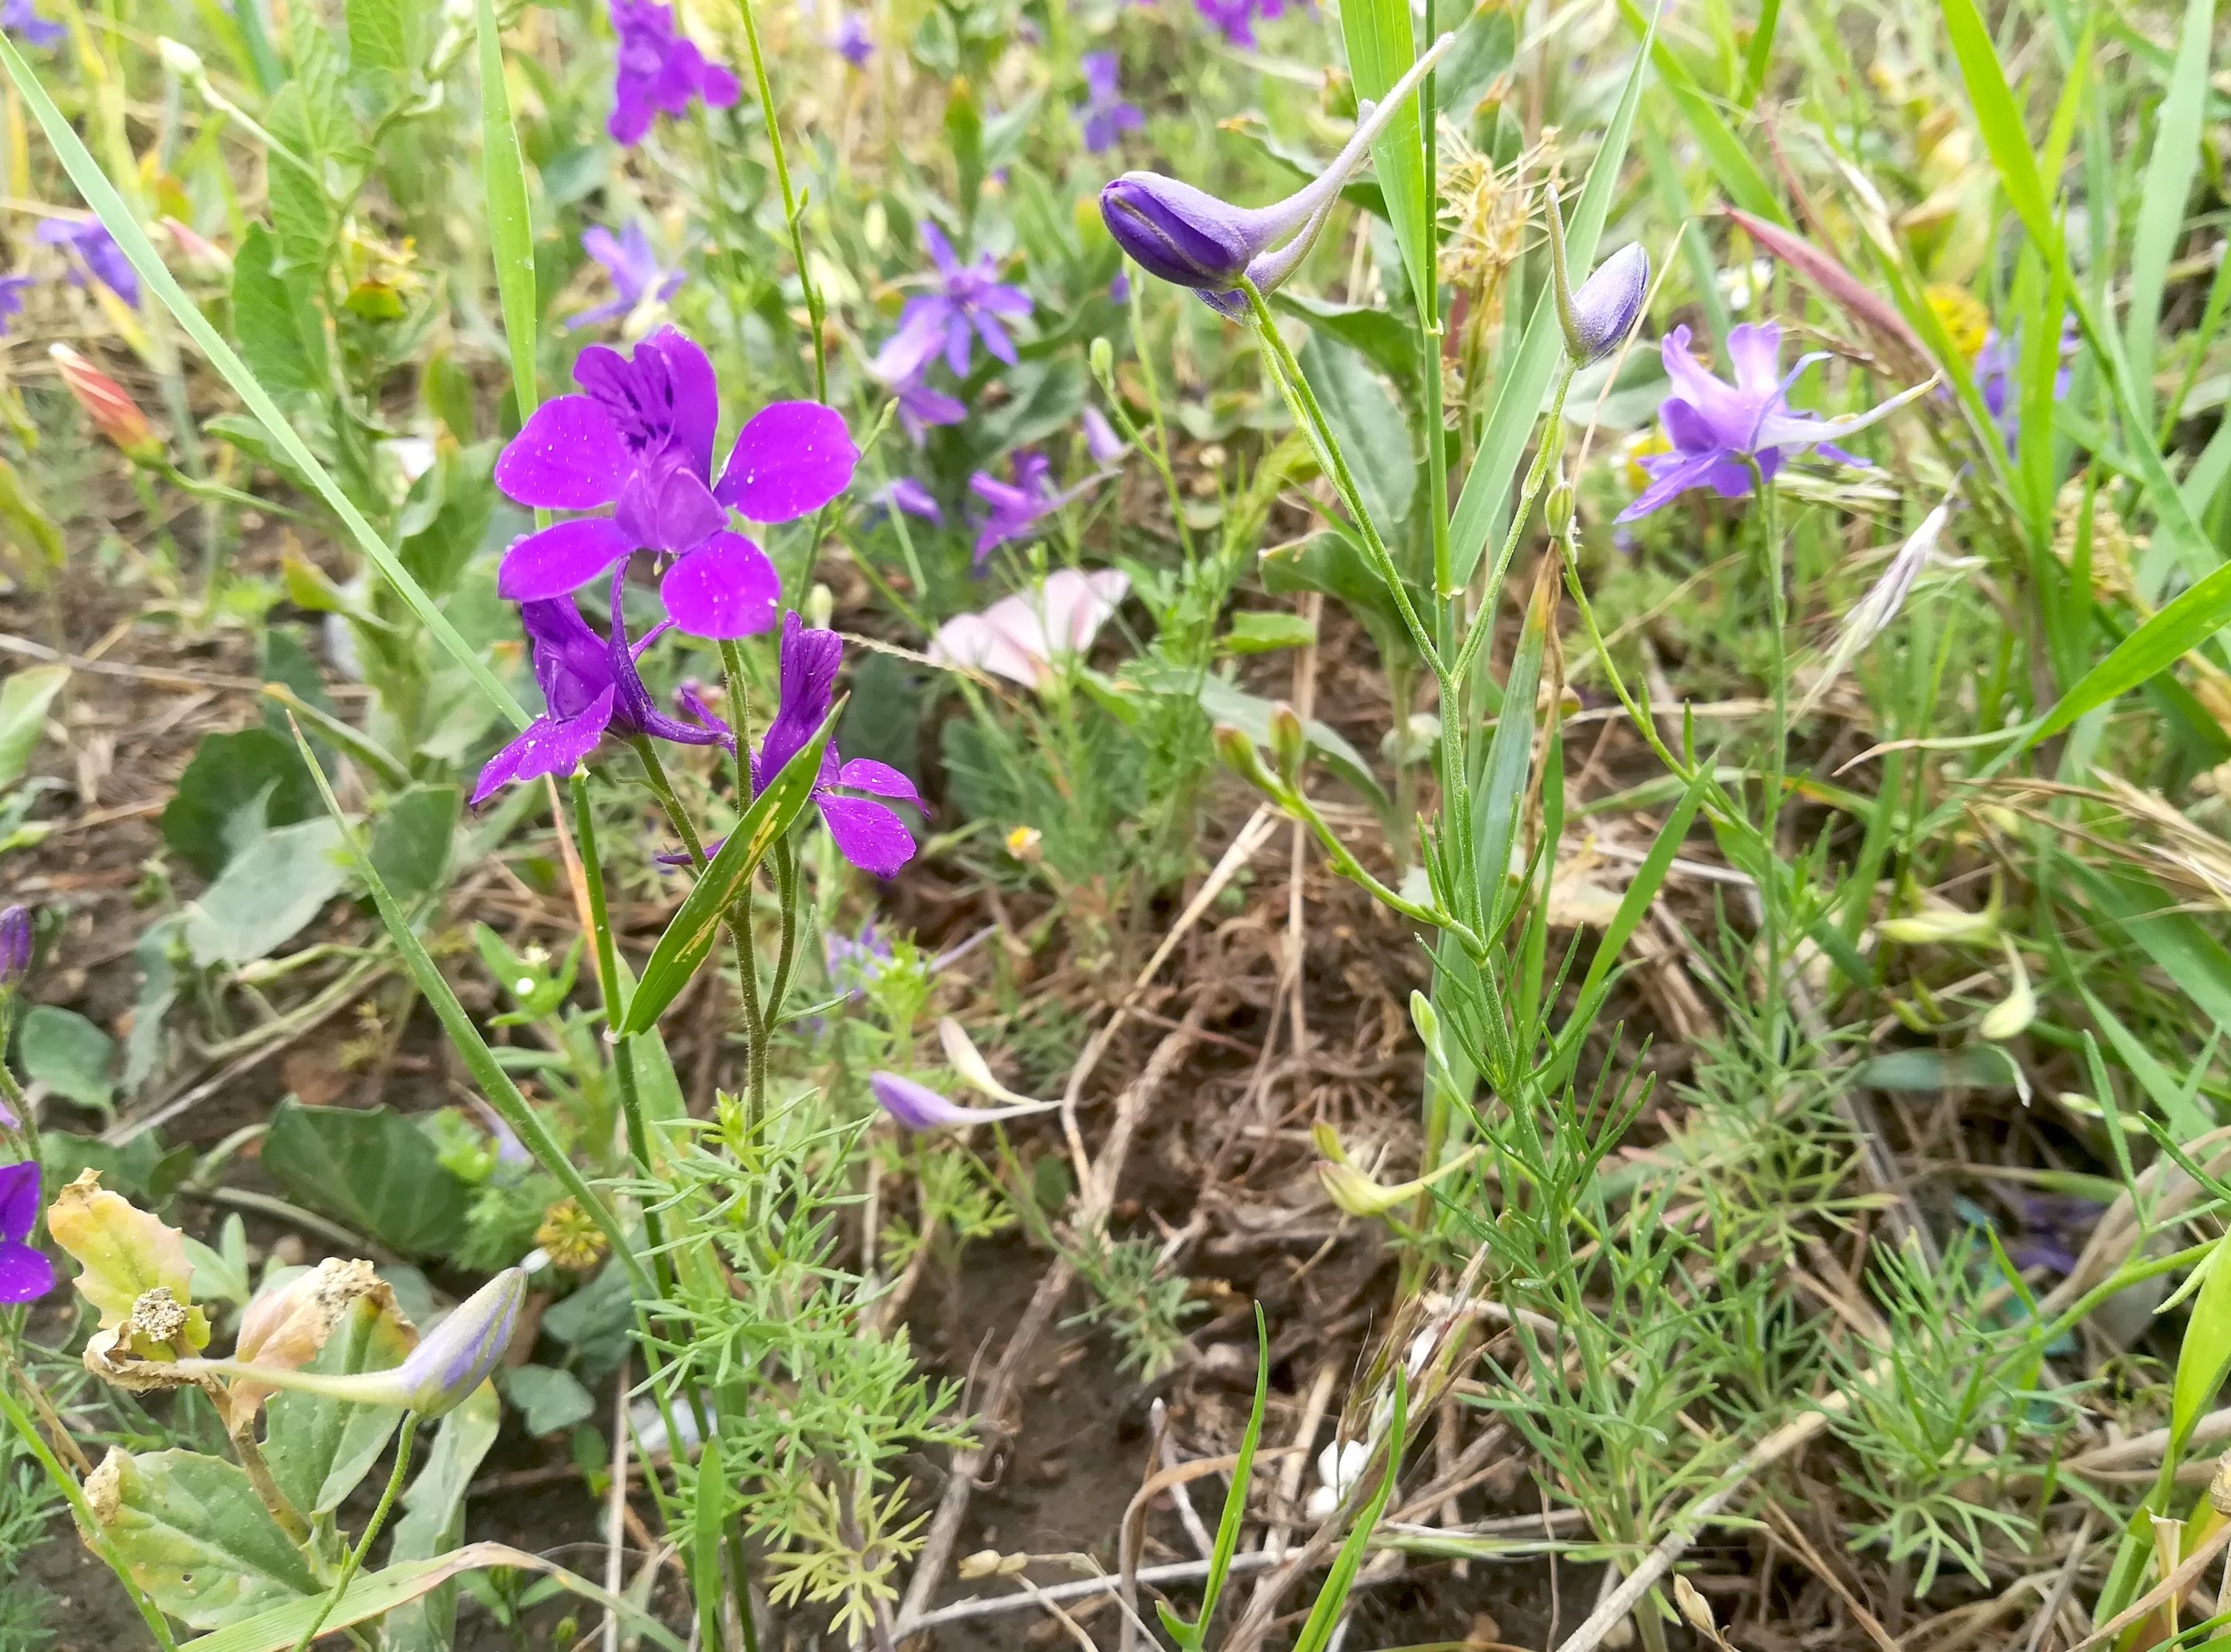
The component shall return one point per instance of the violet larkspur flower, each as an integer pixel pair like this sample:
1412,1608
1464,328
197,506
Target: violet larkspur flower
660,70
1189,237
634,267
1994,369
17,17
1715,426
94,250
1235,19
589,685
853,42
920,407
641,441
856,963
1103,114
914,1106
865,831
15,946
967,305
1100,438
26,1274
909,495
1019,507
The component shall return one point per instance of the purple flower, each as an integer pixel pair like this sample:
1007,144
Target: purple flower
15,946
1190,238
641,441
2055,1227
1101,440
660,70
853,42
856,963
26,1274
1119,290
966,306
920,406
867,833
1715,426
589,685
909,495
634,267
96,251
1994,369
1103,114
1020,506
17,17
12,289
913,1105
1235,19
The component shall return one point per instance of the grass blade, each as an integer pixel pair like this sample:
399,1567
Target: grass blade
2197,615
1380,48
1731,163
511,227
116,217
2161,212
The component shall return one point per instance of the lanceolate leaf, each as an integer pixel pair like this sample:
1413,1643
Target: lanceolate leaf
195,1536
2197,615
510,227
1382,46
694,928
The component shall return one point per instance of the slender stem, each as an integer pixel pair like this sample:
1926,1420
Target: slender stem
654,774
402,1442
793,209
786,959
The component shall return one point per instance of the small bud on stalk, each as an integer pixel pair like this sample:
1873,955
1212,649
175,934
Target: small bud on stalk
1240,755
113,412
1289,743
1558,509
1598,317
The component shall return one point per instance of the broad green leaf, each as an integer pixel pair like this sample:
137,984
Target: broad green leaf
2197,614
116,215
550,1401
122,1252
280,1629
62,1050
1255,631
695,925
373,1169
276,319
1331,562
433,1519
321,1449
1367,421
1484,507
1485,45
237,787
194,1535
411,840
2205,1354
386,41
273,887
511,226
1382,45
24,701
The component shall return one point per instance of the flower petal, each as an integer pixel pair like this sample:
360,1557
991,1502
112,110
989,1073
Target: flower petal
1726,409
1795,430
546,746
866,834
1671,483
569,457
559,558
1755,352
791,458
25,1275
974,640
19,1199
667,506
725,588
866,774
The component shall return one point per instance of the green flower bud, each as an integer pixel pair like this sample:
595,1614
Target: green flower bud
1102,357
1289,743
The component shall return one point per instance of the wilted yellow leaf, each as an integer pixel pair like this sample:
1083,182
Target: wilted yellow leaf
123,1252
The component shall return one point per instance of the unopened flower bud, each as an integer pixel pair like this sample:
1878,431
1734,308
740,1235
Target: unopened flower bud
1289,743
1239,756
15,946
458,1354
2017,1009
1604,311
113,413
179,58
820,603
1558,509
1102,357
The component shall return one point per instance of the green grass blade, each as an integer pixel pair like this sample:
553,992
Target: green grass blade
707,1515
511,228
2169,173
1380,48
1332,1599
2197,614
93,184
2204,1356
1761,55
1481,507
1503,782
1730,162
494,1083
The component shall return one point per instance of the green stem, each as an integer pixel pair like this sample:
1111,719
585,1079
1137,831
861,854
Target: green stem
403,1442
793,210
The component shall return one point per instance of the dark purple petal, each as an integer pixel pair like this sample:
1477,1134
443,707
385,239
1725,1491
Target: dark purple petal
1184,235
546,746
569,457
19,1199
866,774
25,1275
631,114
791,458
809,662
667,506
572,664
559,558
725,588
720,88
1679,479
867,834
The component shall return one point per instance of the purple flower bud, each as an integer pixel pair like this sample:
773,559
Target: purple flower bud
458,1354
913,1105
1609,302
15,944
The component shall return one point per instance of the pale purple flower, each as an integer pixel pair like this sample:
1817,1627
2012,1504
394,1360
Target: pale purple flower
914,1105
920,407
855,963
26,1274
907,494
590,686
1715,426
866,832
12,289
1235,19
966,306
1994,368
634,267
1101,440
640,440
17,17
15,946
1019,507
660,70
95,251
1119,290
853,42
1103,114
